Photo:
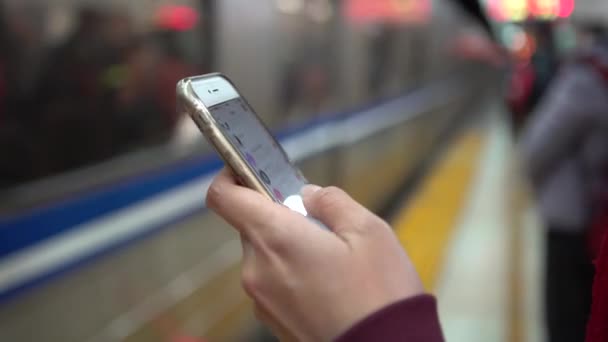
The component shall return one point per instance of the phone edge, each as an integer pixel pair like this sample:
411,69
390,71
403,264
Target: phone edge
189,103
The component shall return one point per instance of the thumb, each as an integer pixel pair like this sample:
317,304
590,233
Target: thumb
336,209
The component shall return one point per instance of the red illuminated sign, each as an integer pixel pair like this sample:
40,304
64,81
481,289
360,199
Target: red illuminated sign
394,11
518,10
178,18
566,8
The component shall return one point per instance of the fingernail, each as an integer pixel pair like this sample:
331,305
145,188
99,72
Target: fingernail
310,189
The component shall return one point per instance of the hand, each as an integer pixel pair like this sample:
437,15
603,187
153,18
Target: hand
310,284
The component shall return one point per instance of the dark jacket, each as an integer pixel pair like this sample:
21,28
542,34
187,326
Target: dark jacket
412,320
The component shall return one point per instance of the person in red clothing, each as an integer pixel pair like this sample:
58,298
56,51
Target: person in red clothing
353,283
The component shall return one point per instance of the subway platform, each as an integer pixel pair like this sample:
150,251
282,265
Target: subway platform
476,239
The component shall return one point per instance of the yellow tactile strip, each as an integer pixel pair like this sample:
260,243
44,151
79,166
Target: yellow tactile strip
424,226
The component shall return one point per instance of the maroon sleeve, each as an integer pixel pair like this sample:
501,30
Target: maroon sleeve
412,320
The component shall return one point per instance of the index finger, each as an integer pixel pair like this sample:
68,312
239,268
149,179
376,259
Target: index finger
246,210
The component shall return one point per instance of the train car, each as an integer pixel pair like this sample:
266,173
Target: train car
104,234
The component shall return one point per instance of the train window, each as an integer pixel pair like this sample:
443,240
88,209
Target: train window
308,64
389,42
82,82
282,55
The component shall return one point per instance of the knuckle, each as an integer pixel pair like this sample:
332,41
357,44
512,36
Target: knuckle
268,219
373,224
276,241
213,196
375,221
250,282
329,197
269,228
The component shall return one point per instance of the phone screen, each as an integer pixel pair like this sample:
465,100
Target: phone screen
261,152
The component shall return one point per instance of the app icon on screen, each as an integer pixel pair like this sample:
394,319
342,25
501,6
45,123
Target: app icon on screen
278,195
250,159
238,140
264,177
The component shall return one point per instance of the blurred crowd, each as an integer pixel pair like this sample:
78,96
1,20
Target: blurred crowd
105,88
561,106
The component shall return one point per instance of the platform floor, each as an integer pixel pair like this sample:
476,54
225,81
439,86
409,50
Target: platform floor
475,238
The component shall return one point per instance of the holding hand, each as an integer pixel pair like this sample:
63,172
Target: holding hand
310,284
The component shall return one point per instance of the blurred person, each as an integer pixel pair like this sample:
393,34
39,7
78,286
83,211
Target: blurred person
72,67
519,92
382,42
306,85
545,59
594,54
117,30
6,67
171,69
565,148
26,23
146,99
69,114
534,65
589,36
7,46
311,92
290,89
74,114
16,149
136,116
596,36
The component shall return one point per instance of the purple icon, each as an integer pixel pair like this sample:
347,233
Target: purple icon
250,159
278,195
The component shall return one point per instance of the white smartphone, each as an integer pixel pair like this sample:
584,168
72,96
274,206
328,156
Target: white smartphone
241,139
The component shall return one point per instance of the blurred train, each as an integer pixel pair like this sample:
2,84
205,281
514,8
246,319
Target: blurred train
103,231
